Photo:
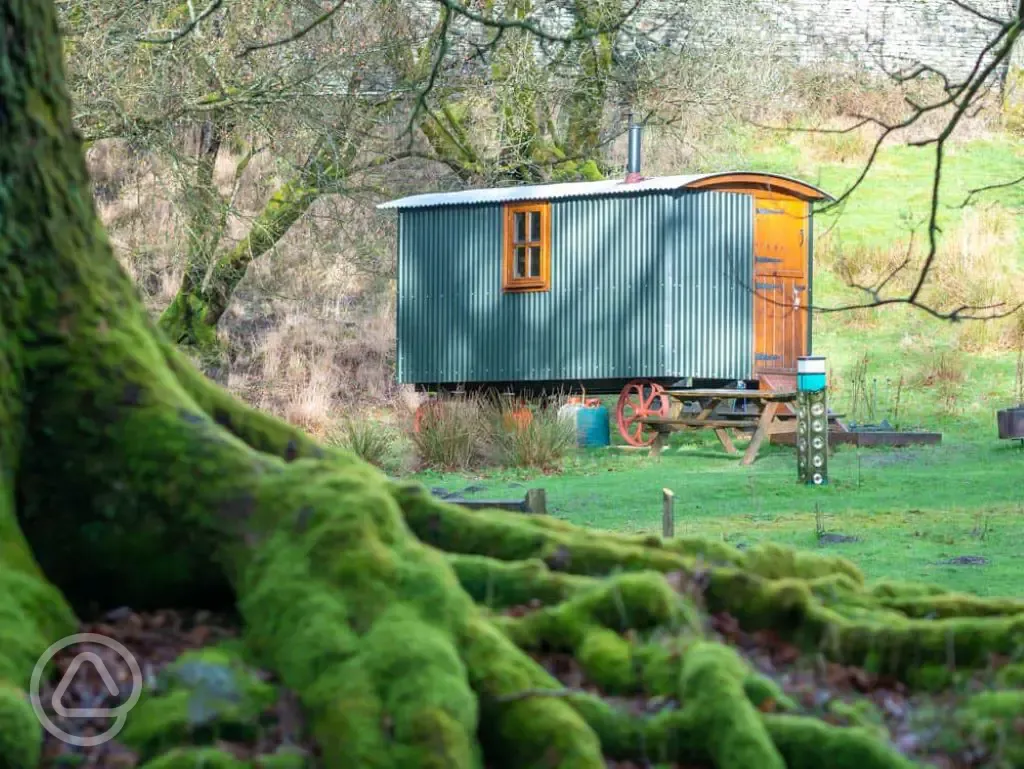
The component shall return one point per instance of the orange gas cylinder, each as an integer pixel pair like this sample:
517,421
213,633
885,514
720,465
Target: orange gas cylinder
518,419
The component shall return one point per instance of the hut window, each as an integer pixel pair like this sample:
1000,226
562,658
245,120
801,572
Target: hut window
527,258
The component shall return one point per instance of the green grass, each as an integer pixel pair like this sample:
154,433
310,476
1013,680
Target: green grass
912,508
895,195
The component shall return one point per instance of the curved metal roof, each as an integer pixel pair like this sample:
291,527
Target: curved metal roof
604,187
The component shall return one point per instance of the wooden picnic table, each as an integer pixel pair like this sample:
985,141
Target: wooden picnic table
765,421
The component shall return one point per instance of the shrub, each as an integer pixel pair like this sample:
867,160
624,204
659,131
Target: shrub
946,372
453,433
541,441
457,433
371,441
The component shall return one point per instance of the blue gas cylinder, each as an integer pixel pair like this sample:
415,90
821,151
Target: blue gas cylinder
592,426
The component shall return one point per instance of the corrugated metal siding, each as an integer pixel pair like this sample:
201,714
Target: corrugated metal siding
710,305
450,314
615,262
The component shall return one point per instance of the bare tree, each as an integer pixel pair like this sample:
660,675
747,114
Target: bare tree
936,105
151,76
314,96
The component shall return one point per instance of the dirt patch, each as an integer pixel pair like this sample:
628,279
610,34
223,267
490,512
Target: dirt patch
836,539
965,560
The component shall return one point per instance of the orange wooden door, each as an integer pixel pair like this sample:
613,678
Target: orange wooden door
780,282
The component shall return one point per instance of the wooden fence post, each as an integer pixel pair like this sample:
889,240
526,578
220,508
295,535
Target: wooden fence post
537,501
668,521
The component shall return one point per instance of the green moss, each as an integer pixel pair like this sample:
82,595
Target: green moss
518,724
202,697
1011,676
196,758
889,588
807,743
660,660
931,678
993,718
778,562
500,584
334,610
33,614
21,736
589,625
622,735
712,687
183,322
608,661
862,713
955,605
886,642
718,726
761,690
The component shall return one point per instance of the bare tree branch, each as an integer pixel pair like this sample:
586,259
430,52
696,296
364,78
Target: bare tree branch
298,34
174,36
976,12
585,32
971,194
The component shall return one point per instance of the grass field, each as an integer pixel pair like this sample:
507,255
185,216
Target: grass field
951,514
911,509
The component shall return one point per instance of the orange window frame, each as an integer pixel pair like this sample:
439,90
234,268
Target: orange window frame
510,282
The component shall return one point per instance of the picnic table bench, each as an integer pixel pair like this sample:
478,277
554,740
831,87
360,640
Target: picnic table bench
765,421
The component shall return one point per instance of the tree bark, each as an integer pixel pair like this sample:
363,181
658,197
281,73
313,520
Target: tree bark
211,277
127,477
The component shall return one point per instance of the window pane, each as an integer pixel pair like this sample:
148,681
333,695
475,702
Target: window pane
534,261
535,226
519,269
520,227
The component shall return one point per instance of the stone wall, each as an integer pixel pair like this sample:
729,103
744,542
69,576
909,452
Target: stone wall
880,35
877,34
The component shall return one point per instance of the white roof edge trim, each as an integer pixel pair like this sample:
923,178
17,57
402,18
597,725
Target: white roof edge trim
562,190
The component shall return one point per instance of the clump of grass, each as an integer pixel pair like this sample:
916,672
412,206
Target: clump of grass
372,441
861,401
471,431
946,372
973,267
946,366
543,441
453,433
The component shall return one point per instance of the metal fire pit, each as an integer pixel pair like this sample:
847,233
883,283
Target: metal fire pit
1011,422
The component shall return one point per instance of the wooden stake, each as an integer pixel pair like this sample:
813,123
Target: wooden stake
668,520
537,501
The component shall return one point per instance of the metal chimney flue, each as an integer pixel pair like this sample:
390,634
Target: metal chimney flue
633,163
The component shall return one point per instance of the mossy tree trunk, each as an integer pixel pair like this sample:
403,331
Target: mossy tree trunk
127,477
532,146
211,275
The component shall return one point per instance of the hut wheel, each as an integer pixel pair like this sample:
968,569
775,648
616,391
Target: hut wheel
639,399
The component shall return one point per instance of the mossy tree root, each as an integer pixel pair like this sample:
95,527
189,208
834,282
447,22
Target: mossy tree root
717,724
819,602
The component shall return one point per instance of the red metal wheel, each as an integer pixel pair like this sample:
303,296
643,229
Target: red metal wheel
429,409
639,399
